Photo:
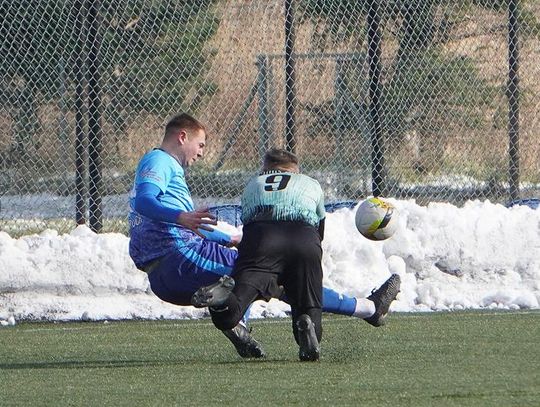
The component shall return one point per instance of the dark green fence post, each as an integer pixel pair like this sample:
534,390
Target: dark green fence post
95,142
513,97
290,78
81,191
262,90
340,101
374,60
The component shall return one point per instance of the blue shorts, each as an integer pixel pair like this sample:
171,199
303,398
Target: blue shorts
179,274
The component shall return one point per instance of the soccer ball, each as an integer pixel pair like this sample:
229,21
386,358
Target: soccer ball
376,219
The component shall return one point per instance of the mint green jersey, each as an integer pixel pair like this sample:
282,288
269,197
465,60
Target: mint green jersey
279,195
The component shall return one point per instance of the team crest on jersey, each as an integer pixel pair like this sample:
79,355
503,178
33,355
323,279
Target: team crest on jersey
150,174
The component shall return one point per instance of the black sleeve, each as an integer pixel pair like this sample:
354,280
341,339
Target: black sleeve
321,228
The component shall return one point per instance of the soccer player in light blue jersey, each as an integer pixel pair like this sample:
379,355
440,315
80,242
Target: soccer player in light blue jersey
175,243
169,239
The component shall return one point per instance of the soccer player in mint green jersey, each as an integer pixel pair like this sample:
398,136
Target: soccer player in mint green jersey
283,215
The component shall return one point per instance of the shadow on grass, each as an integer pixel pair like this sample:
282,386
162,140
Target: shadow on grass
114,364
85,364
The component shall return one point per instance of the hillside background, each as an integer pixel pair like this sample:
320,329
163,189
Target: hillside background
444,72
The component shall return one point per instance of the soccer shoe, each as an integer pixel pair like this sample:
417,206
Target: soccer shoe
382,298
213,295
309,345
245,345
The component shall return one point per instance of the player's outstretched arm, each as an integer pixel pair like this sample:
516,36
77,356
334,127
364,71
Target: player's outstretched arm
148,204
221,237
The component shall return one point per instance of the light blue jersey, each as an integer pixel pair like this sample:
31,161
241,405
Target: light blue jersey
279,195
149,238
162,170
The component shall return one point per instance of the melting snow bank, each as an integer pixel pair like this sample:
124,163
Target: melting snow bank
482,255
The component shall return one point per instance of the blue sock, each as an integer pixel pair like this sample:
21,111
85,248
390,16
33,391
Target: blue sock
245,318
338,303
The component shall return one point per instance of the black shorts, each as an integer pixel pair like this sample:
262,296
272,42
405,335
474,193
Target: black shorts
284,253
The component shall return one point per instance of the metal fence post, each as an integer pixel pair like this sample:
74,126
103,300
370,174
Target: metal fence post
513,97
290,78
95,143
374,58
81,191
262,90
340,101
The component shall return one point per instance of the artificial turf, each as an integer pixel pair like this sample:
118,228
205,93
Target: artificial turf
481,358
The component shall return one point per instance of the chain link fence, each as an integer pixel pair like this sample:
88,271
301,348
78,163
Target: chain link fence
430,99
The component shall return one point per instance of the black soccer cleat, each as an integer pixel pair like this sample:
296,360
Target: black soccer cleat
245,345
307,338
382,298
213,295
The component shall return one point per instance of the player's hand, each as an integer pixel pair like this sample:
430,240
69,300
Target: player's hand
199,219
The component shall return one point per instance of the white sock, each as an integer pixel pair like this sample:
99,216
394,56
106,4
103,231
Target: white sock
364,308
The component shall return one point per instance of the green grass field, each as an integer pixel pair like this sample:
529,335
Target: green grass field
435,359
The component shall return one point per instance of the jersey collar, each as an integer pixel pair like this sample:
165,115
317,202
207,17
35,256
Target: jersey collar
272,172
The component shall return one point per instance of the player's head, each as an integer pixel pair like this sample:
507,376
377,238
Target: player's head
185,138
279,159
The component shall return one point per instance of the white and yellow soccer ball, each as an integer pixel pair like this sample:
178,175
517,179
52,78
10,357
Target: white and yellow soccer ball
376,219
